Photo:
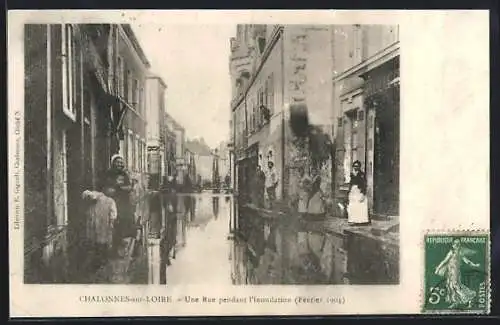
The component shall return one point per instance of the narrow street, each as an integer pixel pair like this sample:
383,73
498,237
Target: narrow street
205,256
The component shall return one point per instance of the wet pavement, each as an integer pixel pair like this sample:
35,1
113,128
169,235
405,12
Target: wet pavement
203,249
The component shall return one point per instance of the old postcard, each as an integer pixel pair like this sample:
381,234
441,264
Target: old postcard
181,163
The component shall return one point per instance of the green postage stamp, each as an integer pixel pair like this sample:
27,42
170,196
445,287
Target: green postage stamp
457,273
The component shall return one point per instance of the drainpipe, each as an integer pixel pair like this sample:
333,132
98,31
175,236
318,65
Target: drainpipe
282,114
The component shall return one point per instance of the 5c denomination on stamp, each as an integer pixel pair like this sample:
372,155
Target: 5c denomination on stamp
457,273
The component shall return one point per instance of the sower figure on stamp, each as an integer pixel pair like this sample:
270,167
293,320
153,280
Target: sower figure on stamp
457,293
357,209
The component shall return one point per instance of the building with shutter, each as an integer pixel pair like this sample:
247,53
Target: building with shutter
276,69
366,108
84,102
156,131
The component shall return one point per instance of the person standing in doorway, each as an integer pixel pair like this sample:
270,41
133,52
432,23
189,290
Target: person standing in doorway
119,178
260,184
358,204
271,182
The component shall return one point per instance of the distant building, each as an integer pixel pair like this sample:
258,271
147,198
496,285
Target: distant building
156,131
203,159
176,153
189,159
170,149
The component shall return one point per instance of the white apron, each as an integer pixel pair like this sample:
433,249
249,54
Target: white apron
357,210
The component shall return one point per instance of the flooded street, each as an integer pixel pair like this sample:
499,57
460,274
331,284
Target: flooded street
203,250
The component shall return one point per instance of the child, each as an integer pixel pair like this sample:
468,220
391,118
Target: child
102,214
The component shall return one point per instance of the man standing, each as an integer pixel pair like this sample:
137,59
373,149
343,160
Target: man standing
260,181
271,182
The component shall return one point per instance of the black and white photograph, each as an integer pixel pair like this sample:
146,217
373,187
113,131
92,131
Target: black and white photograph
123,184
247,162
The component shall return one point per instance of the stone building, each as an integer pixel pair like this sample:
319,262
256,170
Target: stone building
130,73
176,158
203,160
275,71
170,149
366,108
156,130
84,102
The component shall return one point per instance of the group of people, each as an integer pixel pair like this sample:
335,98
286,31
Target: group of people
266,182
110,213
311,199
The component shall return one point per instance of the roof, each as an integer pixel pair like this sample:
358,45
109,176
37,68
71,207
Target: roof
135,43
160,79
198,147
173,122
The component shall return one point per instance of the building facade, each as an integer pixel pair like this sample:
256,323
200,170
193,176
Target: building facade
275,71
131,72
170,149
83,103
203,160
366,108
156,131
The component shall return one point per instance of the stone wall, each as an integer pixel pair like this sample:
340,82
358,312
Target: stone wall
308,84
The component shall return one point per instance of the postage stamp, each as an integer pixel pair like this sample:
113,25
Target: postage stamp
457,273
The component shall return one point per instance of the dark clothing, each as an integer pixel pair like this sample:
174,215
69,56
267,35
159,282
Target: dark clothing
271,192
359,180
260,181
126,216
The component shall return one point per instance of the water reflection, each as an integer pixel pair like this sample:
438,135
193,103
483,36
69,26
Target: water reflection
204,255
204,251
215,206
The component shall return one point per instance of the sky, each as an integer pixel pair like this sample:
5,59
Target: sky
193,60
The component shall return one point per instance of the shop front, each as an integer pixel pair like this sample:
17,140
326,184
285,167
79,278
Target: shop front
381,101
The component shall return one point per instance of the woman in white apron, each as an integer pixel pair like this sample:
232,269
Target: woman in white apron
357,209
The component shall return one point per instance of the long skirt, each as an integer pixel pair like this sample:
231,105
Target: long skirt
357,209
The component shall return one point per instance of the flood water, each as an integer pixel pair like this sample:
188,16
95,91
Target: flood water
203,250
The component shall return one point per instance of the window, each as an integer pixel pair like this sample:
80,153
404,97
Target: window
133,145
256,106
261,103
142,109
69,69
270,101
350,142
135,94
357,44
144,155
130,144
126,84
140,155
361,115
121,77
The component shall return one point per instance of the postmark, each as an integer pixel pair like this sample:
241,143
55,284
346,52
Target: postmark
457,273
